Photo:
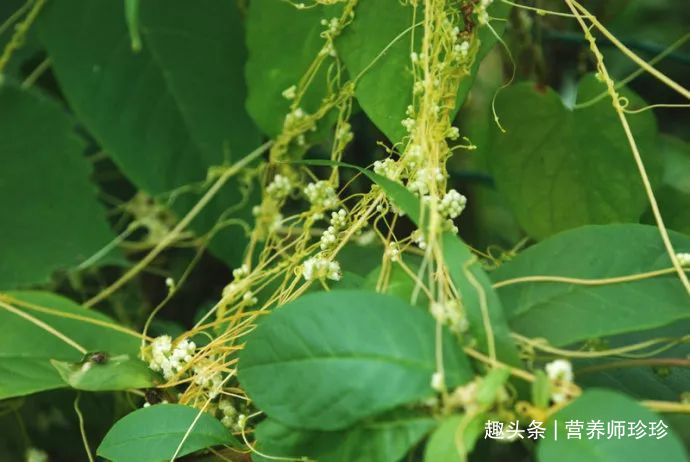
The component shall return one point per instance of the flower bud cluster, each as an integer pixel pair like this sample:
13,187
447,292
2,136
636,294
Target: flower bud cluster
170,359
321,195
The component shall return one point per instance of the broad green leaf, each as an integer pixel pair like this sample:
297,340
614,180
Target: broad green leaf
565,313
51,218
342,356
467,274
153,433
643,381
120,372
673,195
454,439
380,51
491,386
607,406
676,154
560,168
26,349
464,269
167,113
282,42
400,284
386,439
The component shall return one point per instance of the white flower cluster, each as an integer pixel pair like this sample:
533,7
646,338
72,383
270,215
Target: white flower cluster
386,167
328,49
393,251
453,133
683,258
268,216
331,25
321,195
338,222
321,268
294,116
241,272
280,187
168,359
452,204
451,314
418,238
231,417
423,177
461,49
409,124
208,377
560,372
465,396
480,10
413,156
344,133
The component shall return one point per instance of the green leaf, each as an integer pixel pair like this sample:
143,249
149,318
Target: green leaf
381,51
153,434
643,381
342,356
491,386
474,286
464,269
443,447
26,349
606,406
385,439
118,373
273,66
673,195
565,313
51,216
167,113
541,389
560,168
400,284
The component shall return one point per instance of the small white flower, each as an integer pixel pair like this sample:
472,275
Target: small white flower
241,272
408,123
437,381
683,258
280,187
344,133
453,133
386,167
394,251
462,49
560,370
320,268
321,195
418,238
249,298
169,359
438,311
290,92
